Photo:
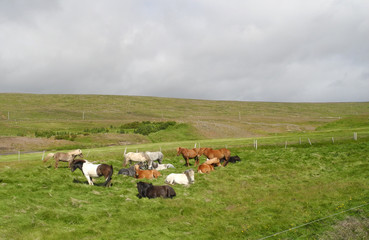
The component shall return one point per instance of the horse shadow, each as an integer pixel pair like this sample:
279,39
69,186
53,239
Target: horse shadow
86,182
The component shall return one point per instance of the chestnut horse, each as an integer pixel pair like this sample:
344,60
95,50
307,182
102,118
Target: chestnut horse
189,154
217,153
148,174
213,161
205,168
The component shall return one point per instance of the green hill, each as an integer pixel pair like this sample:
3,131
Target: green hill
30,115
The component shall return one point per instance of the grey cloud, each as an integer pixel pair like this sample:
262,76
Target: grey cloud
237,50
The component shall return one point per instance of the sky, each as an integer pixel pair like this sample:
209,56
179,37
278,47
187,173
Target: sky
243,50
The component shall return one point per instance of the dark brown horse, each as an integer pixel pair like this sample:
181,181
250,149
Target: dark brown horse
189,154
150,191
217,153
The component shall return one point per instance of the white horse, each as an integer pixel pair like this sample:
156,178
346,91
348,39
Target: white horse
159,167
135,157
186,178
91,170
155,156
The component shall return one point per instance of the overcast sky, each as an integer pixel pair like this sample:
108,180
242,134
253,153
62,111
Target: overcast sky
259,50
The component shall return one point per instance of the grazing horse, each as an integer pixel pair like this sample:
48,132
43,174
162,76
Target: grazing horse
150,191
189,154
155,156
64,157
148,174
217,153
205,168
186,178
91,170
159,167
135,157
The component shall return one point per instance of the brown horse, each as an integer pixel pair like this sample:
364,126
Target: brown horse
217,153
148,174
205,168
189,154
213,161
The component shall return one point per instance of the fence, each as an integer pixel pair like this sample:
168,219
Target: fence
232,143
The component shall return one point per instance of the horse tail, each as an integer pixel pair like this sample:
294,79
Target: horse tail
48,156
108,180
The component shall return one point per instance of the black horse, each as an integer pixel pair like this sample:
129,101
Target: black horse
232,159
150,191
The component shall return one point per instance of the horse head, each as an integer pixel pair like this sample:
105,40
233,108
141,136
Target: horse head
179,151
190,176
76,164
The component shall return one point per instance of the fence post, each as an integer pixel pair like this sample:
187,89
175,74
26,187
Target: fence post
332,139
300,141
355,136
285,145
309,141
43,155
18,155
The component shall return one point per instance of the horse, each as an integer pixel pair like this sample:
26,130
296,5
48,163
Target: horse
186,178
205,168
213,161
64,157
136,157
189,154
91,170
148,174
155,156
233,159
150,191
131,170
217,153
159,167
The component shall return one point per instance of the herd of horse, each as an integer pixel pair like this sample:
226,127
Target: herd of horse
146,167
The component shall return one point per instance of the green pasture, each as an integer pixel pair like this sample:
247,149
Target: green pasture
271,190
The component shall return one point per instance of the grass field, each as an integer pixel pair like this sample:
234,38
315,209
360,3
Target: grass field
272,189
279,186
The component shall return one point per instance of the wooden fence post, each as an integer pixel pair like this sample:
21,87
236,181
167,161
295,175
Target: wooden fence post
332,139
309,141
43,155
285,145
355,136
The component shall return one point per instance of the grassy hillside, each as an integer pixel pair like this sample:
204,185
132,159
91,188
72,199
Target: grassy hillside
29,113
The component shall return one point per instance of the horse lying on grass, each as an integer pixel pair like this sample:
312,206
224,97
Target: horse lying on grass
150,191
64,157
213,161
186,178
131,170
148,174
233,159
217,153
205,168
159,167
91,170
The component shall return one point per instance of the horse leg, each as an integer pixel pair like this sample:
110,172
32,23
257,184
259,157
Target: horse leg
187,161
89,179
197,161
